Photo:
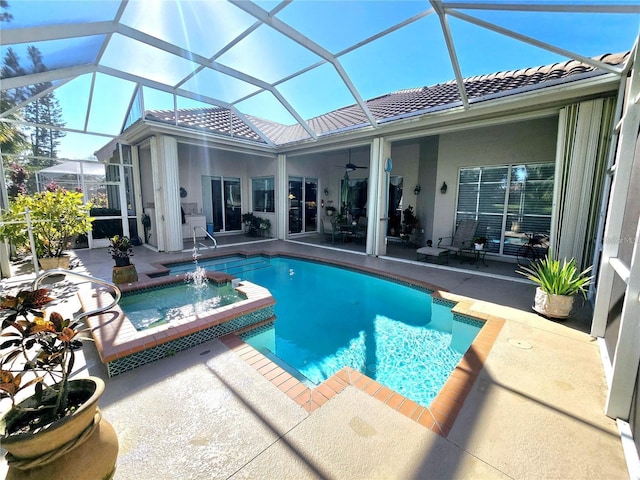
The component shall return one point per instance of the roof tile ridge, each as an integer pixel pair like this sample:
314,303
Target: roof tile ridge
566,65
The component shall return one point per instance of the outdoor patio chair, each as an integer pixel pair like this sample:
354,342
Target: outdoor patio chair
440,255
329,229
361,228
462,238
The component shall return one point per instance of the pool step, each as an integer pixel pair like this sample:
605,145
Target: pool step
239,270
230,265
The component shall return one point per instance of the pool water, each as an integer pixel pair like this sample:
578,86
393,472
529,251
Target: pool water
153,307
328,318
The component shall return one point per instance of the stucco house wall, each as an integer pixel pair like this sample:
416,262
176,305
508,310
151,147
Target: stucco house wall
513,143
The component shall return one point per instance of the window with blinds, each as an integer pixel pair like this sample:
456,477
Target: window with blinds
510,202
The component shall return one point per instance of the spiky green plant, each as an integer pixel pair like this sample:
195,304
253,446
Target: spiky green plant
558,277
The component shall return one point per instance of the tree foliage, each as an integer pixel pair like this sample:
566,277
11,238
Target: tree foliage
18,183
43,143
55,216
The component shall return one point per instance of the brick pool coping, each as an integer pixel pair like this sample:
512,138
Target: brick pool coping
115,336
438,417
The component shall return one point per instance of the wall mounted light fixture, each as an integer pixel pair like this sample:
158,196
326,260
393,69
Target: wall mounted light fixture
326,192
443,188
416,190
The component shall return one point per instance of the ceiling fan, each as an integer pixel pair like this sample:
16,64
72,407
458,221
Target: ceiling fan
350,167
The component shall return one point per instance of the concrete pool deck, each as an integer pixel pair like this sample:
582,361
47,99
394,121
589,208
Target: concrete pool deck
535,409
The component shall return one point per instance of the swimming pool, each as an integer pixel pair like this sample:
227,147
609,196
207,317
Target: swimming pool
329,318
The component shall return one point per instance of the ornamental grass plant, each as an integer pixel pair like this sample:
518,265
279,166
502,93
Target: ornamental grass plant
558,277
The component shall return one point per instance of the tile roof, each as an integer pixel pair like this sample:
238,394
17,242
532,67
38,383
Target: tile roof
388,107
212,120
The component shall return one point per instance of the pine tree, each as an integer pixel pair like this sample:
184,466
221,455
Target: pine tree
5,16
43,111
12,139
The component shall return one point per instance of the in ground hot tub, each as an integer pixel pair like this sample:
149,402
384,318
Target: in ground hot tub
179,325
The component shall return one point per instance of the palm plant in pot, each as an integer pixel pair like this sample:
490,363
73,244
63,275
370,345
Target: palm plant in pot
57,432
558,283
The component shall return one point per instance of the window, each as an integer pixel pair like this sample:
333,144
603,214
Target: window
510,202
262,190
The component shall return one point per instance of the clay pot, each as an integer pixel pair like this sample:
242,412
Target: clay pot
81,446
122,261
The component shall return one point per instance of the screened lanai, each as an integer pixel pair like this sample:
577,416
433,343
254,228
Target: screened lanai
286,62
271,98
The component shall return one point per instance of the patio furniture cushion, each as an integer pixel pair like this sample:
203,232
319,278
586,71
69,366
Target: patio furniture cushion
439,253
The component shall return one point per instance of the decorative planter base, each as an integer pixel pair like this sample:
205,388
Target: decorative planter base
126,274
553,306
82,446
94,459
50,263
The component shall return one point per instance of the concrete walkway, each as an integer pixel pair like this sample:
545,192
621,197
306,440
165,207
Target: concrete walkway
535,411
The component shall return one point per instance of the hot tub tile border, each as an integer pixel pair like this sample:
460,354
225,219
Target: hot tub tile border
162,349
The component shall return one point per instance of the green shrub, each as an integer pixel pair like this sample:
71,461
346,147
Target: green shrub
55,218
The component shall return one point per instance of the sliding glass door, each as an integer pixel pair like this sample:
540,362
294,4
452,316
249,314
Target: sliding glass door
303,204
226,204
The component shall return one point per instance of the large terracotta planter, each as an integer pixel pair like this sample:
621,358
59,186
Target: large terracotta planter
126,274
553,306
49,263
82,446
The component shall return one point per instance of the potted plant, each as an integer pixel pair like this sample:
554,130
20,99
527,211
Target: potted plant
479,242
251,224
409,220
255,226
55,217
558,283
57,432
265,227
121,250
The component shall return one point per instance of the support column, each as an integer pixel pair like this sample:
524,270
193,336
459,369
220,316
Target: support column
626,358
5,264
281,192
619,191
122,192
377,194
137,188
166,193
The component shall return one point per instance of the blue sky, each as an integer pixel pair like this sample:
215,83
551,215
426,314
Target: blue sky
413,56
